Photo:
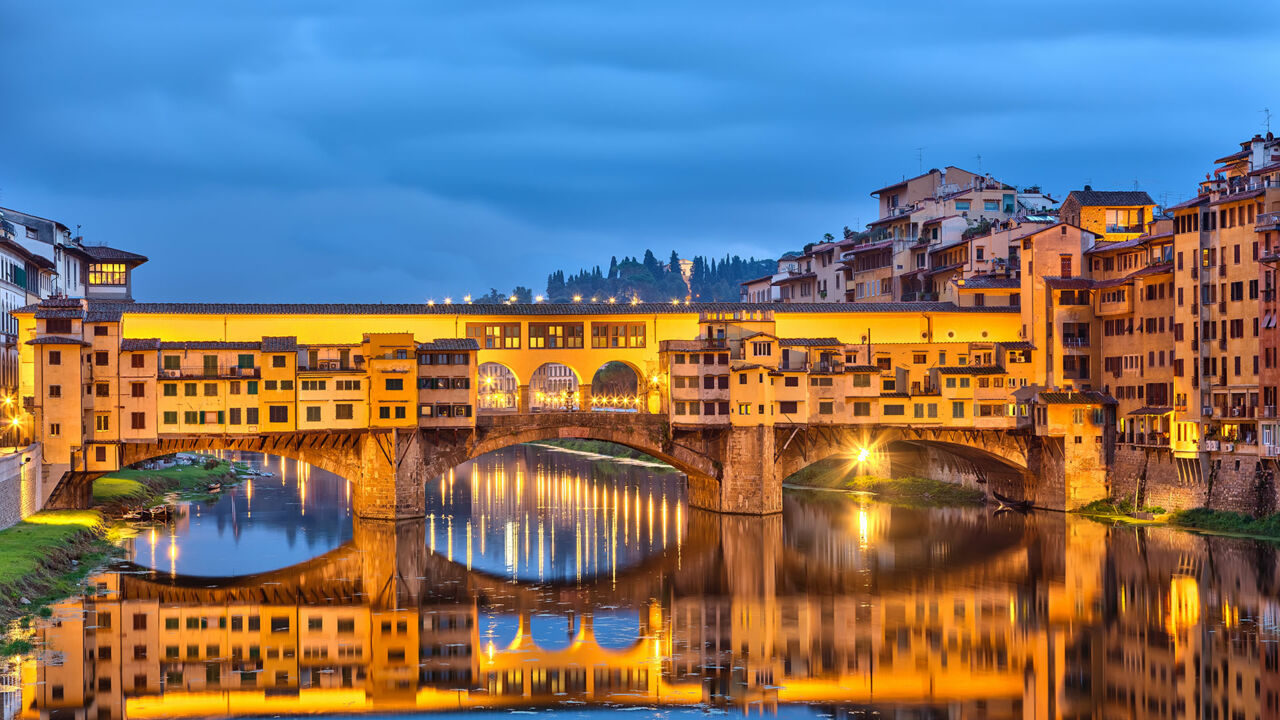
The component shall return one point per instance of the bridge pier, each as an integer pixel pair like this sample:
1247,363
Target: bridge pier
389,476
749,482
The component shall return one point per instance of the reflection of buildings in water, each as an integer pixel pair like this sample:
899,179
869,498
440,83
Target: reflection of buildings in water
555,520
1077,620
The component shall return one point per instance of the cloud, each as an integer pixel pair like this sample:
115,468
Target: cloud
382,150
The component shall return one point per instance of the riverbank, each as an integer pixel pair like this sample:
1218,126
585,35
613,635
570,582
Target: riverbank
46,556
1201,520
140,487
600,449
917,492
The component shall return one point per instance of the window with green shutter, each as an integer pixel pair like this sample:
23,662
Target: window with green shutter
245,361
251,387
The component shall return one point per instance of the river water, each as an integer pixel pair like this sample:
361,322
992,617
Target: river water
543,581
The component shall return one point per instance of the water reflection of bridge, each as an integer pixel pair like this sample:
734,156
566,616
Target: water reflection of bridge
740,614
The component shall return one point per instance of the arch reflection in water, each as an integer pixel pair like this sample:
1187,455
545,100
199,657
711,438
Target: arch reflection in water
295,513
531,514
837,607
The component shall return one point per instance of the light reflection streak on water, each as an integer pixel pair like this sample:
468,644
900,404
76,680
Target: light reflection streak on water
558,518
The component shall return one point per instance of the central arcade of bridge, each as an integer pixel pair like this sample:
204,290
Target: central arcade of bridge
737,396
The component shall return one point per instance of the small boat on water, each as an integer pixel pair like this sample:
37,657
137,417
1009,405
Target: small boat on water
1009,504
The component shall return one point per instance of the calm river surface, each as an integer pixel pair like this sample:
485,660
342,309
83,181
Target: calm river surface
548,582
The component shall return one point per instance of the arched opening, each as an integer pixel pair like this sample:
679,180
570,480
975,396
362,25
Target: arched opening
617,387
237,513
553,387
499,390
558,514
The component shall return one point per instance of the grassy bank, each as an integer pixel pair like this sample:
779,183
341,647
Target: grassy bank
919,492
598,447
46,556
1205,520
137,487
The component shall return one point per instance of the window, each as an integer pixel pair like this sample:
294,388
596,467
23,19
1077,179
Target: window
269,384
101,422
235,418
211,389
313,384
170,417
191,417
55,429
55,357
251,387
826,407
169,389
189,389
278,413
400,412
495,336
957,409
137,360
552,336
962,205
862,409
108,274
55,391
344,411
279,361
1064,262
384,412
617,335
394,384
102,390
991,205
251,416
761,349
172,362
787,407
58,325
347,384
313,413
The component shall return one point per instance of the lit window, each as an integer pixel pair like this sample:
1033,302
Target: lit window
108,274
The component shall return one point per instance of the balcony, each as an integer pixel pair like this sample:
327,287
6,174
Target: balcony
1211,445
1075,341
332,366
1269,411
201,371
1268,220
1113,229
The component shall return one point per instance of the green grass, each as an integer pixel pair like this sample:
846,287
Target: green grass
145,486
1110,507
27,548
118,489
918,492
1222,521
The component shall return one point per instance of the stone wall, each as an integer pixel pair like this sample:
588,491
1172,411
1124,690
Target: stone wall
21,486
1155,479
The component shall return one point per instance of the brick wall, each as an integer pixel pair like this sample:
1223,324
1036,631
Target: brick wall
21,491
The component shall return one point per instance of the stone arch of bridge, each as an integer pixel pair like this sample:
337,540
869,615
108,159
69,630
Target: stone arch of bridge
871,448
637,433
365,458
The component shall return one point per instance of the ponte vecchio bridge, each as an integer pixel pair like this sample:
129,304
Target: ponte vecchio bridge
737,396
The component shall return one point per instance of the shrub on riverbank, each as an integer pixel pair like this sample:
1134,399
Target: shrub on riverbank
598,447
139,486
1227,522
1109,507
839,475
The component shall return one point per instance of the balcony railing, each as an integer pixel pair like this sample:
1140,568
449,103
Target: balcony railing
200,371
332,366
1125,228
1074,341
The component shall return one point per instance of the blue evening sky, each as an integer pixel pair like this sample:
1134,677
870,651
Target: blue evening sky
396,151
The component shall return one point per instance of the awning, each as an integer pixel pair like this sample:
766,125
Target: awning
1152,411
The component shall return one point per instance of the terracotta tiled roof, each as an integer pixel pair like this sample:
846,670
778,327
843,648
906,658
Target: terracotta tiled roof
809,342
102,253
1093,198
971,370
56,340
449,344
862,368
1087,397
281,343
993,282
1018,345
1068,283
521,309
101,316
138,344
209,345
58,313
